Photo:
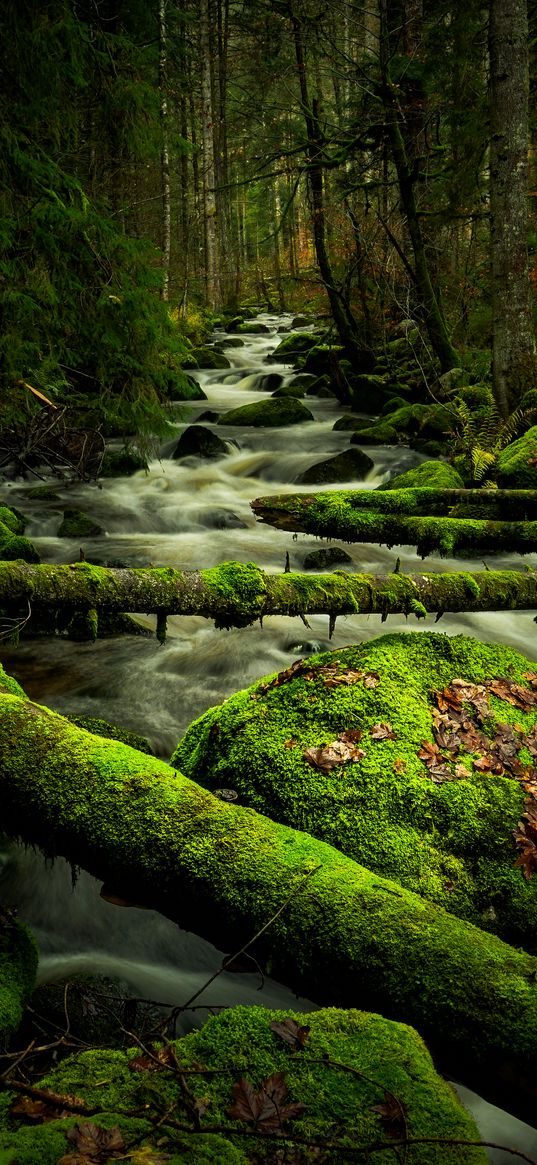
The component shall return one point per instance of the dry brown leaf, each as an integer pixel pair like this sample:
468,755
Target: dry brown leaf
291,1032
399,765
327,756
382,732
266,1109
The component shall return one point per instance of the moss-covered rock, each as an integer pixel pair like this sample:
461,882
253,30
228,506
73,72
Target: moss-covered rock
296,390
208,358
14,546
197,441
517,463
292,346
253,328
123,463
350,423
380,434
436,474
268,413
351,465
451,841
353,1066
185,388
77,524
428,422
18,965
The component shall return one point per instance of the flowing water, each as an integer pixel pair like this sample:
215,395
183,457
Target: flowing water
192,514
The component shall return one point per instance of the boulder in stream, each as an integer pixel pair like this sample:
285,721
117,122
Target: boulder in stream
412,754
272,413
325,558
517,463
334,1078
351,465
197,441
78,524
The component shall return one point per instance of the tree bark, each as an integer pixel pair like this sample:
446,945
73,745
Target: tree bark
237,594
165,153
347,937
212,266
403,518
514,360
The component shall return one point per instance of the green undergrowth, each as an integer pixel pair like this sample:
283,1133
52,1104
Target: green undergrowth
451,842
349,1072
18,964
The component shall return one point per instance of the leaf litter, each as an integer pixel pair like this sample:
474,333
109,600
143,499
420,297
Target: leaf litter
462,710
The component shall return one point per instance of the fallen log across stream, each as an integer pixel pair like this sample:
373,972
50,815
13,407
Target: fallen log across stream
466,523
237,594
337,932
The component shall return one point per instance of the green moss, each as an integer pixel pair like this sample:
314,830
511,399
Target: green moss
12,545
14,521
111,732
271,413
18,965
433,474
517,463
350,1061
123,463
382,433
436,840
421,517
77,524
238,583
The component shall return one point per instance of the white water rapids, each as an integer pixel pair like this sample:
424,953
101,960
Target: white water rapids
193,514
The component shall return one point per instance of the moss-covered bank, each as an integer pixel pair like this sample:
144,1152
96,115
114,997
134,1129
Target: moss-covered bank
18,965
351,1065
451,841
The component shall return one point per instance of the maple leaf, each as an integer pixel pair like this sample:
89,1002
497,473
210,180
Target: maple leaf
327,756
93,1145
350,736
514,693
382,732
291,1032
392,1115
429,752
266,1109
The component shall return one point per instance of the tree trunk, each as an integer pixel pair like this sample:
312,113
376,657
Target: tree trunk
339,305
346,937
237,594
365,516
514,358
407,170
165,153
212,269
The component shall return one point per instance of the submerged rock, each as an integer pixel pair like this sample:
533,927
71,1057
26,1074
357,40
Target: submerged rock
338,1078
423,788
325,558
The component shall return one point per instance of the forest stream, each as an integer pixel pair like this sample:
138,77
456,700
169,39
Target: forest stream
193,514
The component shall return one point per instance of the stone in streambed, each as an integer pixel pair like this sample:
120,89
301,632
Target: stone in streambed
77,524
430,474
441,825
325,558
268,413
197,441
351,465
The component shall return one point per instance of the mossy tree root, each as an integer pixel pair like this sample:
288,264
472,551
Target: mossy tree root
237,594
346,937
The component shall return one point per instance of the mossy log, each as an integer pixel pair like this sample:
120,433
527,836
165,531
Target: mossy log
337,932
436,521
237,594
